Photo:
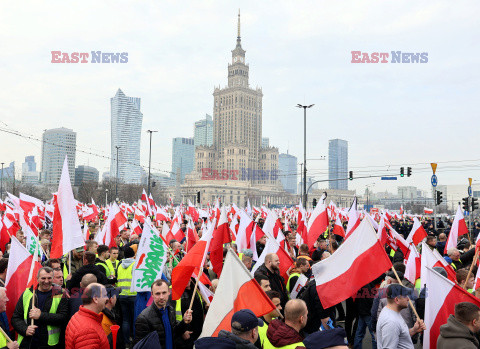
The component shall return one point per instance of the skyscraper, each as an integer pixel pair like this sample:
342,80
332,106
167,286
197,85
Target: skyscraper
338,163
183,155
56,144
29,171
265,142
203,131
126,129
287,165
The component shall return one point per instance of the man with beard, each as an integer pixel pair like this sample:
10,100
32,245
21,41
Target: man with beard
270,269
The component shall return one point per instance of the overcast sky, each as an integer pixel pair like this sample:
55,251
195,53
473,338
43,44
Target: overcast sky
298,51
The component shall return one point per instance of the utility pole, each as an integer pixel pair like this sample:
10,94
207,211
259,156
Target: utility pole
13,176
1,183
116,177
434,182
150,159
305,151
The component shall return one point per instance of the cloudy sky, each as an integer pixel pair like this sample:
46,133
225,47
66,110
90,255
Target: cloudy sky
298,51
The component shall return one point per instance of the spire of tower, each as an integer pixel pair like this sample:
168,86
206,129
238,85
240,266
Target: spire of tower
238,34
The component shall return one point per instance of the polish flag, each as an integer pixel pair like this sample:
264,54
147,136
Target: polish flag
338,228
412,266
234,227
221,235
139,215
245,230
4,236
358,261
207,295
192,236
113,225
20,274
92,212
67,232
28,203
301,224
145,198
191,263
353,218
427,210
417,234
317,224
443,294
236,290
162,215
177,233
86,231
432,258
459,228
136,228
272,246
192,212
166,233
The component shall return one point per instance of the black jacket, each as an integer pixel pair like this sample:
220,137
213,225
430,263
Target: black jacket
316,312
60,318
276,283
240,343
150,320
74,282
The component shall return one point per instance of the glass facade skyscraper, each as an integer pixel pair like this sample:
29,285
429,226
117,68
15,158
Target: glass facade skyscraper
287,165
203,131
56,144
126,130
338,163
183,157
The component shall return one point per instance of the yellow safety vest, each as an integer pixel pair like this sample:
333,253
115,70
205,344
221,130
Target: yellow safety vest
262,333
288,282
3,341
125,280
112,268
107,269
392,252
53,331
178,310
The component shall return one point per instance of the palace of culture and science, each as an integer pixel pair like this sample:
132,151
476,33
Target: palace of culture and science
236,167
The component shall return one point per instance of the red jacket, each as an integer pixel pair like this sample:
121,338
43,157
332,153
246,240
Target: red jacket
85,331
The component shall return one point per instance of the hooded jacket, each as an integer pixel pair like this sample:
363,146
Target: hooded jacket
126,262
454,334
240,343
279,334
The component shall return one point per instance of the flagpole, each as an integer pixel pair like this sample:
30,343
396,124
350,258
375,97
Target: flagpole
470,270
409,300
5,335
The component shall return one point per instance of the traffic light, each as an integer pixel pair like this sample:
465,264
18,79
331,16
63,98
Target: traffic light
350,175
402,171
439,198
465,204
409,171
198,197
314,203
474,204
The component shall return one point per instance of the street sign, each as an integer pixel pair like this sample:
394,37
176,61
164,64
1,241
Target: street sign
434,167
469,191
389,178
434,180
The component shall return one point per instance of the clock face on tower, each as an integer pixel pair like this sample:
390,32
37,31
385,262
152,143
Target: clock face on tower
235,59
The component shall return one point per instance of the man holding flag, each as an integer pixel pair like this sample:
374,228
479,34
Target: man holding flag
41,314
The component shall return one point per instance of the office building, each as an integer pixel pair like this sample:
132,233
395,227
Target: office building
56,144
126,130
183,156
338,164
287,165
265,142
203,132
30,175
85,174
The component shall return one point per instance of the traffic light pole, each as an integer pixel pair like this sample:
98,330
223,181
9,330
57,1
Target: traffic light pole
435,208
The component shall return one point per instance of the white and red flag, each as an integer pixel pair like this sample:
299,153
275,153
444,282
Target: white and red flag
91,214
412,266
113,225
21,273
442,295
432,258
221,235
302,224
417,234
192,263
338,228
67,232
236,290
459,228
358,261
353,218
136,228
192,236
317,224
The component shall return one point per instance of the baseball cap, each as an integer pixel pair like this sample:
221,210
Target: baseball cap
79,249
247,320
326,339
397,290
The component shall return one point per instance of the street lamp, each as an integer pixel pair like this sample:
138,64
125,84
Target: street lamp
116,177
106,198
304,151
150,159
